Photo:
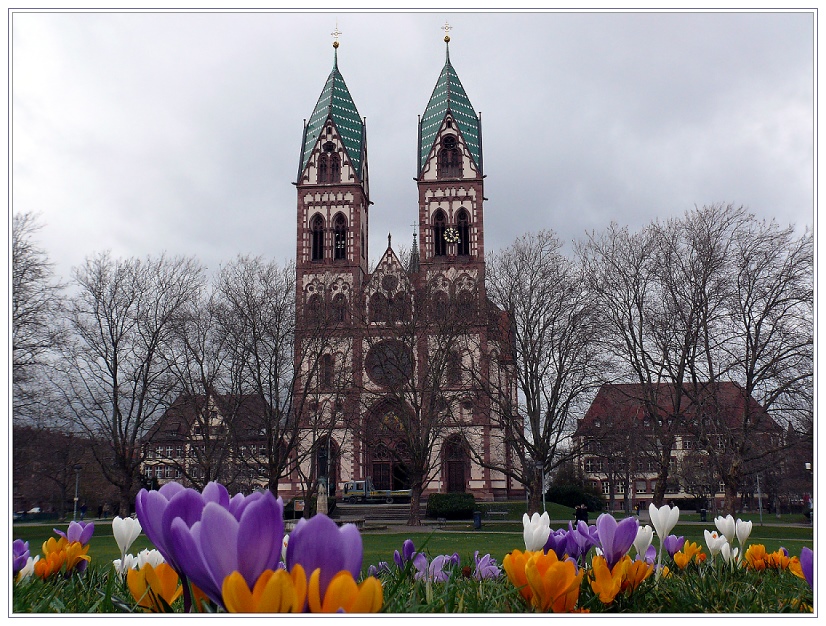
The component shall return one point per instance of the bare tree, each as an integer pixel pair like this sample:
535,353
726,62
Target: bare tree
117,379
554,356
36,303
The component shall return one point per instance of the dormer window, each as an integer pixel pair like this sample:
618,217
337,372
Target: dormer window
449,161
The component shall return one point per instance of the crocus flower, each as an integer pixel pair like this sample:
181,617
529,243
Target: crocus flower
375,570
153,557
664,519
714,541
649,557
220,543
125,530
486,567
689,551
536,530
50,564
19,555
558,542
154,588
514,565
435,570
77,531
274,592
28,568
743,530
803,567
634,572
616,538
554,583
408,552
728,553
284,543
581,539
318,543
645,535
673,544
344,595
727,526
605,582
129,561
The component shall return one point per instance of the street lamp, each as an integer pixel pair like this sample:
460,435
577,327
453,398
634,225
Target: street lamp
77,467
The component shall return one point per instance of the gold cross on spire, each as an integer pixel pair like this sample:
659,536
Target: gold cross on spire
447,28
336,34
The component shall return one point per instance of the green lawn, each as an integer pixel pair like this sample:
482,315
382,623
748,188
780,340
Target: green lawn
496,539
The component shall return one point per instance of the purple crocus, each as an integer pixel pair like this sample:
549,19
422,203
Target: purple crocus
408,552
318,543
486,567
806,564
649,557
558,542
436,570
157,509
19,555
616,538
243,535
375,570
581,539
673,544
77,531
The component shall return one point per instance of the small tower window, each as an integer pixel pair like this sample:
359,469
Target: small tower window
339,308
327,371
450,161
329,165
339,237
317,238
439,243
463,226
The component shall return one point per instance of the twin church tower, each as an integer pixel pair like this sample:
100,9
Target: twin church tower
355,317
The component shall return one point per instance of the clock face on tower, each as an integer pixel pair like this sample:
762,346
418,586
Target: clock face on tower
389,363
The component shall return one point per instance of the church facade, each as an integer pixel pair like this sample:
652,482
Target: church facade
395,362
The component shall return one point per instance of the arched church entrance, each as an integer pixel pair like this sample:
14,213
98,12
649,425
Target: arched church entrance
387,456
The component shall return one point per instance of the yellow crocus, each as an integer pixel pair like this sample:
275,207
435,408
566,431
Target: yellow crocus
795,568
514,566
274,592
554,583
633,573
756,556
606,583
343,594
691,551
52,545
150,585
75,553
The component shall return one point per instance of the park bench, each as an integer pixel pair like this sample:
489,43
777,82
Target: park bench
496,514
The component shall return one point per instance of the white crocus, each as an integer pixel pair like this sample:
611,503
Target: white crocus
645,535
728,553
153,557
126,530
664,519
129,561
743,530
536,531
726,526
28,568
715,542
284,543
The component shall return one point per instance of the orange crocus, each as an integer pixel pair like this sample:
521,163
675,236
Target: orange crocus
514,566
633,573
150,585
554,583
75,553
52,545
274,592
343,594
50,564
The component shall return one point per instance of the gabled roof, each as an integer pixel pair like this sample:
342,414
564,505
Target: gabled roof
449,96
335,102
247,413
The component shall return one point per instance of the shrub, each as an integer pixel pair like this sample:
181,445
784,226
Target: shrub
574,495
450,505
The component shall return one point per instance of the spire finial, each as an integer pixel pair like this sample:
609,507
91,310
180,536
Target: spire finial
335,35
388,240
447,28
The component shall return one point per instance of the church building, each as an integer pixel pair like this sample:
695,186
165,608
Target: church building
397,362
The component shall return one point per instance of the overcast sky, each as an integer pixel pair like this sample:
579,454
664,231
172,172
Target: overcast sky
180,132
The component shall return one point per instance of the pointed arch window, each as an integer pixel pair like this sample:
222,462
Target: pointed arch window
339,237
313,309
450,160
317,238
453,368
439,225
463,226
378,307
326,374
339,307
329,165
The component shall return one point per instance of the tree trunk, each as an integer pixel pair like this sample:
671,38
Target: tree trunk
125,505
730,503
535,498
415,518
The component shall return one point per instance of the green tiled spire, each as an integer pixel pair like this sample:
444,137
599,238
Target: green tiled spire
336,102
449,95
